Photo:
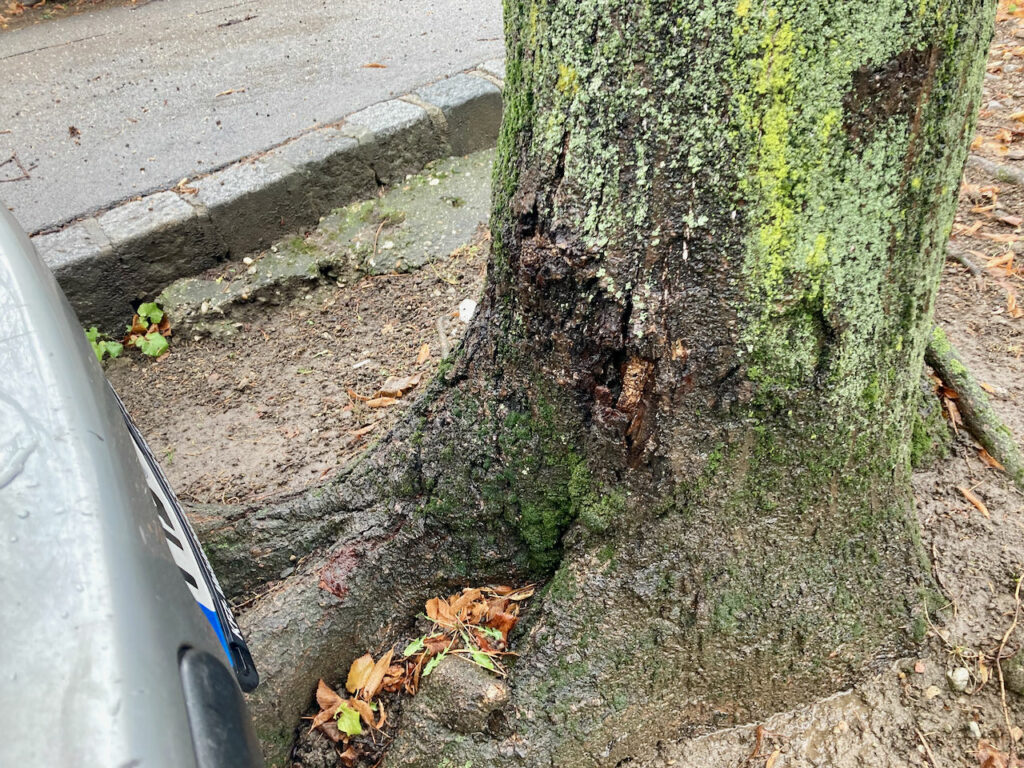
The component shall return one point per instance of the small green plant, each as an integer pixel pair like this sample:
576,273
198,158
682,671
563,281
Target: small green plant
150,312
348,721
147,330
152,344
102,345
434,662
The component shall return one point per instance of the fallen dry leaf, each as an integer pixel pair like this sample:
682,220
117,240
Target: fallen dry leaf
328,701
503,622
971,497
522,593
436,644
355,396
954,414
359,673
989,459
381,402
138,325
363,709
375,65
423,355
397,386
376,676
990,757
460,603
330,730
999,237
349,757
772,758
439,612
1011,305
326,696
1004,262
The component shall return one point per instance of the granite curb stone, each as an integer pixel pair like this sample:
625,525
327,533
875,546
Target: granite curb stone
472,110
396,138
109,262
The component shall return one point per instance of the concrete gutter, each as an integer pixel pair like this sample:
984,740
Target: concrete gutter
108,262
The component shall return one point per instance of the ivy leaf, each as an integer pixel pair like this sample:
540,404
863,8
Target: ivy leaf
112,348
152,344
348,721
481,659
93,335
151,312
414,647
433,663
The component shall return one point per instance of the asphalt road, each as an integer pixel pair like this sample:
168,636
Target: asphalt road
114,103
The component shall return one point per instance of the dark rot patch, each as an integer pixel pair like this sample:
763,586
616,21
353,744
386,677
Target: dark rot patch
894,87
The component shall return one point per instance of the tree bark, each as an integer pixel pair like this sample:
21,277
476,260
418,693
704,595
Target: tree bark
687,396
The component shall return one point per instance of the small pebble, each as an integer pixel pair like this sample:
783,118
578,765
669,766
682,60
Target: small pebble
466,310
974,728
958,678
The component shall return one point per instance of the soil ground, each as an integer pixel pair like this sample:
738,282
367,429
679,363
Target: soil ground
269,410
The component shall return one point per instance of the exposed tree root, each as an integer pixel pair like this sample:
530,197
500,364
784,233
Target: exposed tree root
979,417
250,545
1004,173
371,547
958,255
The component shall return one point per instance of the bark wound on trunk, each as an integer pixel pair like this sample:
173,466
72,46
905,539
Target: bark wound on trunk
896,87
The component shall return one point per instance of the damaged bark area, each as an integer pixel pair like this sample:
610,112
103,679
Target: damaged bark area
684,401
893,88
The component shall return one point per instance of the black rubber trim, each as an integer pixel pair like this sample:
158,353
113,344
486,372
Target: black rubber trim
222,732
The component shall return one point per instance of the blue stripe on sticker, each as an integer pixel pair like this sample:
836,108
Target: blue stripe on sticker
211,616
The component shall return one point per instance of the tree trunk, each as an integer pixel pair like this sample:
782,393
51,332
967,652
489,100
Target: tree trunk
718,229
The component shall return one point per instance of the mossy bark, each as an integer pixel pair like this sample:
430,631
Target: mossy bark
690,388
718,233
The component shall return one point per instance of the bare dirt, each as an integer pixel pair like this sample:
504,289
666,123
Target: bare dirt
279,405
270,410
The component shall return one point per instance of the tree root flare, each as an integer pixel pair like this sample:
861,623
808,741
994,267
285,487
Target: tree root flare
979,417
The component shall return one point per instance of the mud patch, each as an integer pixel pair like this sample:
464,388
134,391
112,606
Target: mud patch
270,408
